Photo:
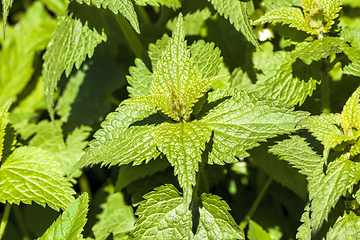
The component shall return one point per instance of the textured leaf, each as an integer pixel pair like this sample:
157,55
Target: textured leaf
297,152
353,68
160,102
304,231
287,15
49,137
324,128
332,130
125,7
6,4
321,14
236,12
207,57
156,49
256,232
345,227
70,224
320,48
282,81
280,171
193,22
183,143
71,42
163,215
114,142
174,4
139,80
116,218
215,221
326,189
30,174
175,68
3,121
242,121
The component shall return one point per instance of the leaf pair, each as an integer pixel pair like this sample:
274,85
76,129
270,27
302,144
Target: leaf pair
316,18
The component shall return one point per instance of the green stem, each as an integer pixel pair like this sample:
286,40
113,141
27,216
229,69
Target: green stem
255,205
19,219
143,16
130,35
84,185
325,89
5,219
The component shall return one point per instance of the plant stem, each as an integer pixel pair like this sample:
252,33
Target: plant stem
130,35
255,205
5,219
19,219
325,90
84,185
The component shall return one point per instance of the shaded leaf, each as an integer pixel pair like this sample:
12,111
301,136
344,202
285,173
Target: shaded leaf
71,222
256,232
215,221
125,7
3,121
71,42
117,218
236,12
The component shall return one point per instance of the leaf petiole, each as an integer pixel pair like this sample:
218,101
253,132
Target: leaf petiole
5,219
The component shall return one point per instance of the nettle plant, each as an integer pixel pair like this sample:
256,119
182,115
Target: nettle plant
210,121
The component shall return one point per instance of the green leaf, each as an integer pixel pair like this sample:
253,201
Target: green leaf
125,7
286,81
128,173
183,143
297,152
49,137
175,68
326,189
6,4
3,121
320,48
215,221
156,49
242,121
163,215
353,68
139,80
71,42
280,171
256,232
332,130
193,22
304,231
236,12
30,174
287,15
345,227
117,218
324,128
174,4
207,57
161,102
63,106
70,224
114,143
